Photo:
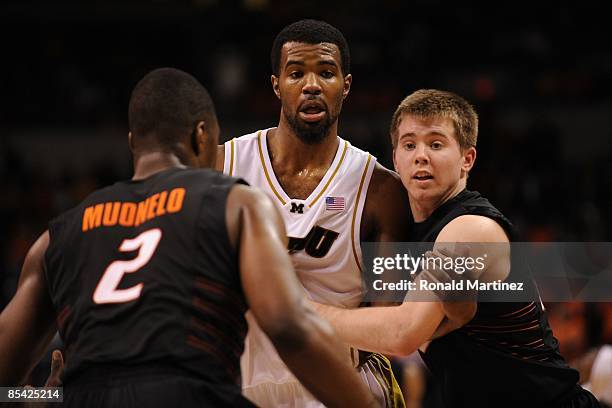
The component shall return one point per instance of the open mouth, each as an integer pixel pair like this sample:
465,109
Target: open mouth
423,176
312,112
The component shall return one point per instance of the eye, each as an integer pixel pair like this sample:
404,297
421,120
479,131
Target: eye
327,74
296,75
436,145
409,146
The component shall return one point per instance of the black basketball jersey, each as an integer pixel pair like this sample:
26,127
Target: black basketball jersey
143,273
506,356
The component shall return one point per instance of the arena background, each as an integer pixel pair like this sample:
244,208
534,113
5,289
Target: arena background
540,77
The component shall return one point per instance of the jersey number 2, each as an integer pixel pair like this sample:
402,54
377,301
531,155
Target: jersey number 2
106,291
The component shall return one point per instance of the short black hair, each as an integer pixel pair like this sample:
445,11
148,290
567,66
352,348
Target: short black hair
311,32
166,104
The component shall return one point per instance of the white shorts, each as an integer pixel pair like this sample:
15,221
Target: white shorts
294,395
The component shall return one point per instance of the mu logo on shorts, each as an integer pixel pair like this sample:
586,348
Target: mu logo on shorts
297,208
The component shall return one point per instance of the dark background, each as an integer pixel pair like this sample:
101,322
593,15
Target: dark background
540,76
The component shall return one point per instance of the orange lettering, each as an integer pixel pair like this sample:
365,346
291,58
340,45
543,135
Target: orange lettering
111,213
162,201
92,217
152,206
141,213
175,200
126,216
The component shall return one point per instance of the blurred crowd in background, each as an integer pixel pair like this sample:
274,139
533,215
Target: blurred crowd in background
540,78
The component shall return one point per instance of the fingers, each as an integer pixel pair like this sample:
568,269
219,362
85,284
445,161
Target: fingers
57,360
446,282
57,369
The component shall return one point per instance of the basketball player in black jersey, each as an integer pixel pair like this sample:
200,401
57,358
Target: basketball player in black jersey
148,280
506,356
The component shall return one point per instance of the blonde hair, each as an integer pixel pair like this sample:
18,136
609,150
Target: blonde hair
431,103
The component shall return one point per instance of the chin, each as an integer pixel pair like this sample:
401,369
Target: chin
421,194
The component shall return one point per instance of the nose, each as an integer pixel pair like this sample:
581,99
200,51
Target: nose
420,154
311,84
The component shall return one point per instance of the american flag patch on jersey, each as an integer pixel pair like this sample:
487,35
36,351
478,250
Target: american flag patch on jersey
334,203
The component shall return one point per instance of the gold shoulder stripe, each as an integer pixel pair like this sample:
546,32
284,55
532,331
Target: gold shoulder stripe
363,176
332,176
231,169
265,169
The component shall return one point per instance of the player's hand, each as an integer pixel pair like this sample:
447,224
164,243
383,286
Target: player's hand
57,370
54,379
450,284
459,306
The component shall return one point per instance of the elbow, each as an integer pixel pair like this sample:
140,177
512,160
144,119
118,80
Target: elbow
285,329
288,336
403,347
459,313
403,343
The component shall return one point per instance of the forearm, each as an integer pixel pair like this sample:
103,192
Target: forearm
22,342
395,330
320,363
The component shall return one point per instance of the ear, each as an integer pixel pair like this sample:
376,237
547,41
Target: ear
348,80
469,158
198,137
275,87
131,141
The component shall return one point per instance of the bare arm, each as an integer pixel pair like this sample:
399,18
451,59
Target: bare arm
473,229
462,231
27,324
400,330
304,341
396,330
386,213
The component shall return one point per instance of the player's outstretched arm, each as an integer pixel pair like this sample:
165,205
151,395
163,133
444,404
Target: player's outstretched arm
400,330
304,341
27,324
385,218
395,330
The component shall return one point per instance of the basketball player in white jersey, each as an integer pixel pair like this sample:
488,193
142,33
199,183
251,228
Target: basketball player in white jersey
331,194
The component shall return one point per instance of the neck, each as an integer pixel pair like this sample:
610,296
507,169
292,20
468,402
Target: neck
147,164
290,152
423,208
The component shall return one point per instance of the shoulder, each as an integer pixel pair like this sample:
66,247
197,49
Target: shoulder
245,199
252,137
387,211
246,196
231,147
473,202
201,177
386,190
96,197
101,193
385,180
252,204
483,237
473,228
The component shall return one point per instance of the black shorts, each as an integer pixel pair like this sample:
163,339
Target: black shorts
146,387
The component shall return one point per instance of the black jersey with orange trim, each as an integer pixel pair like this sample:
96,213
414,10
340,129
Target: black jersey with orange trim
507,355
143,272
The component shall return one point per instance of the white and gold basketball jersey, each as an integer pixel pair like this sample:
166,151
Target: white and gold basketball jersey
324,231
